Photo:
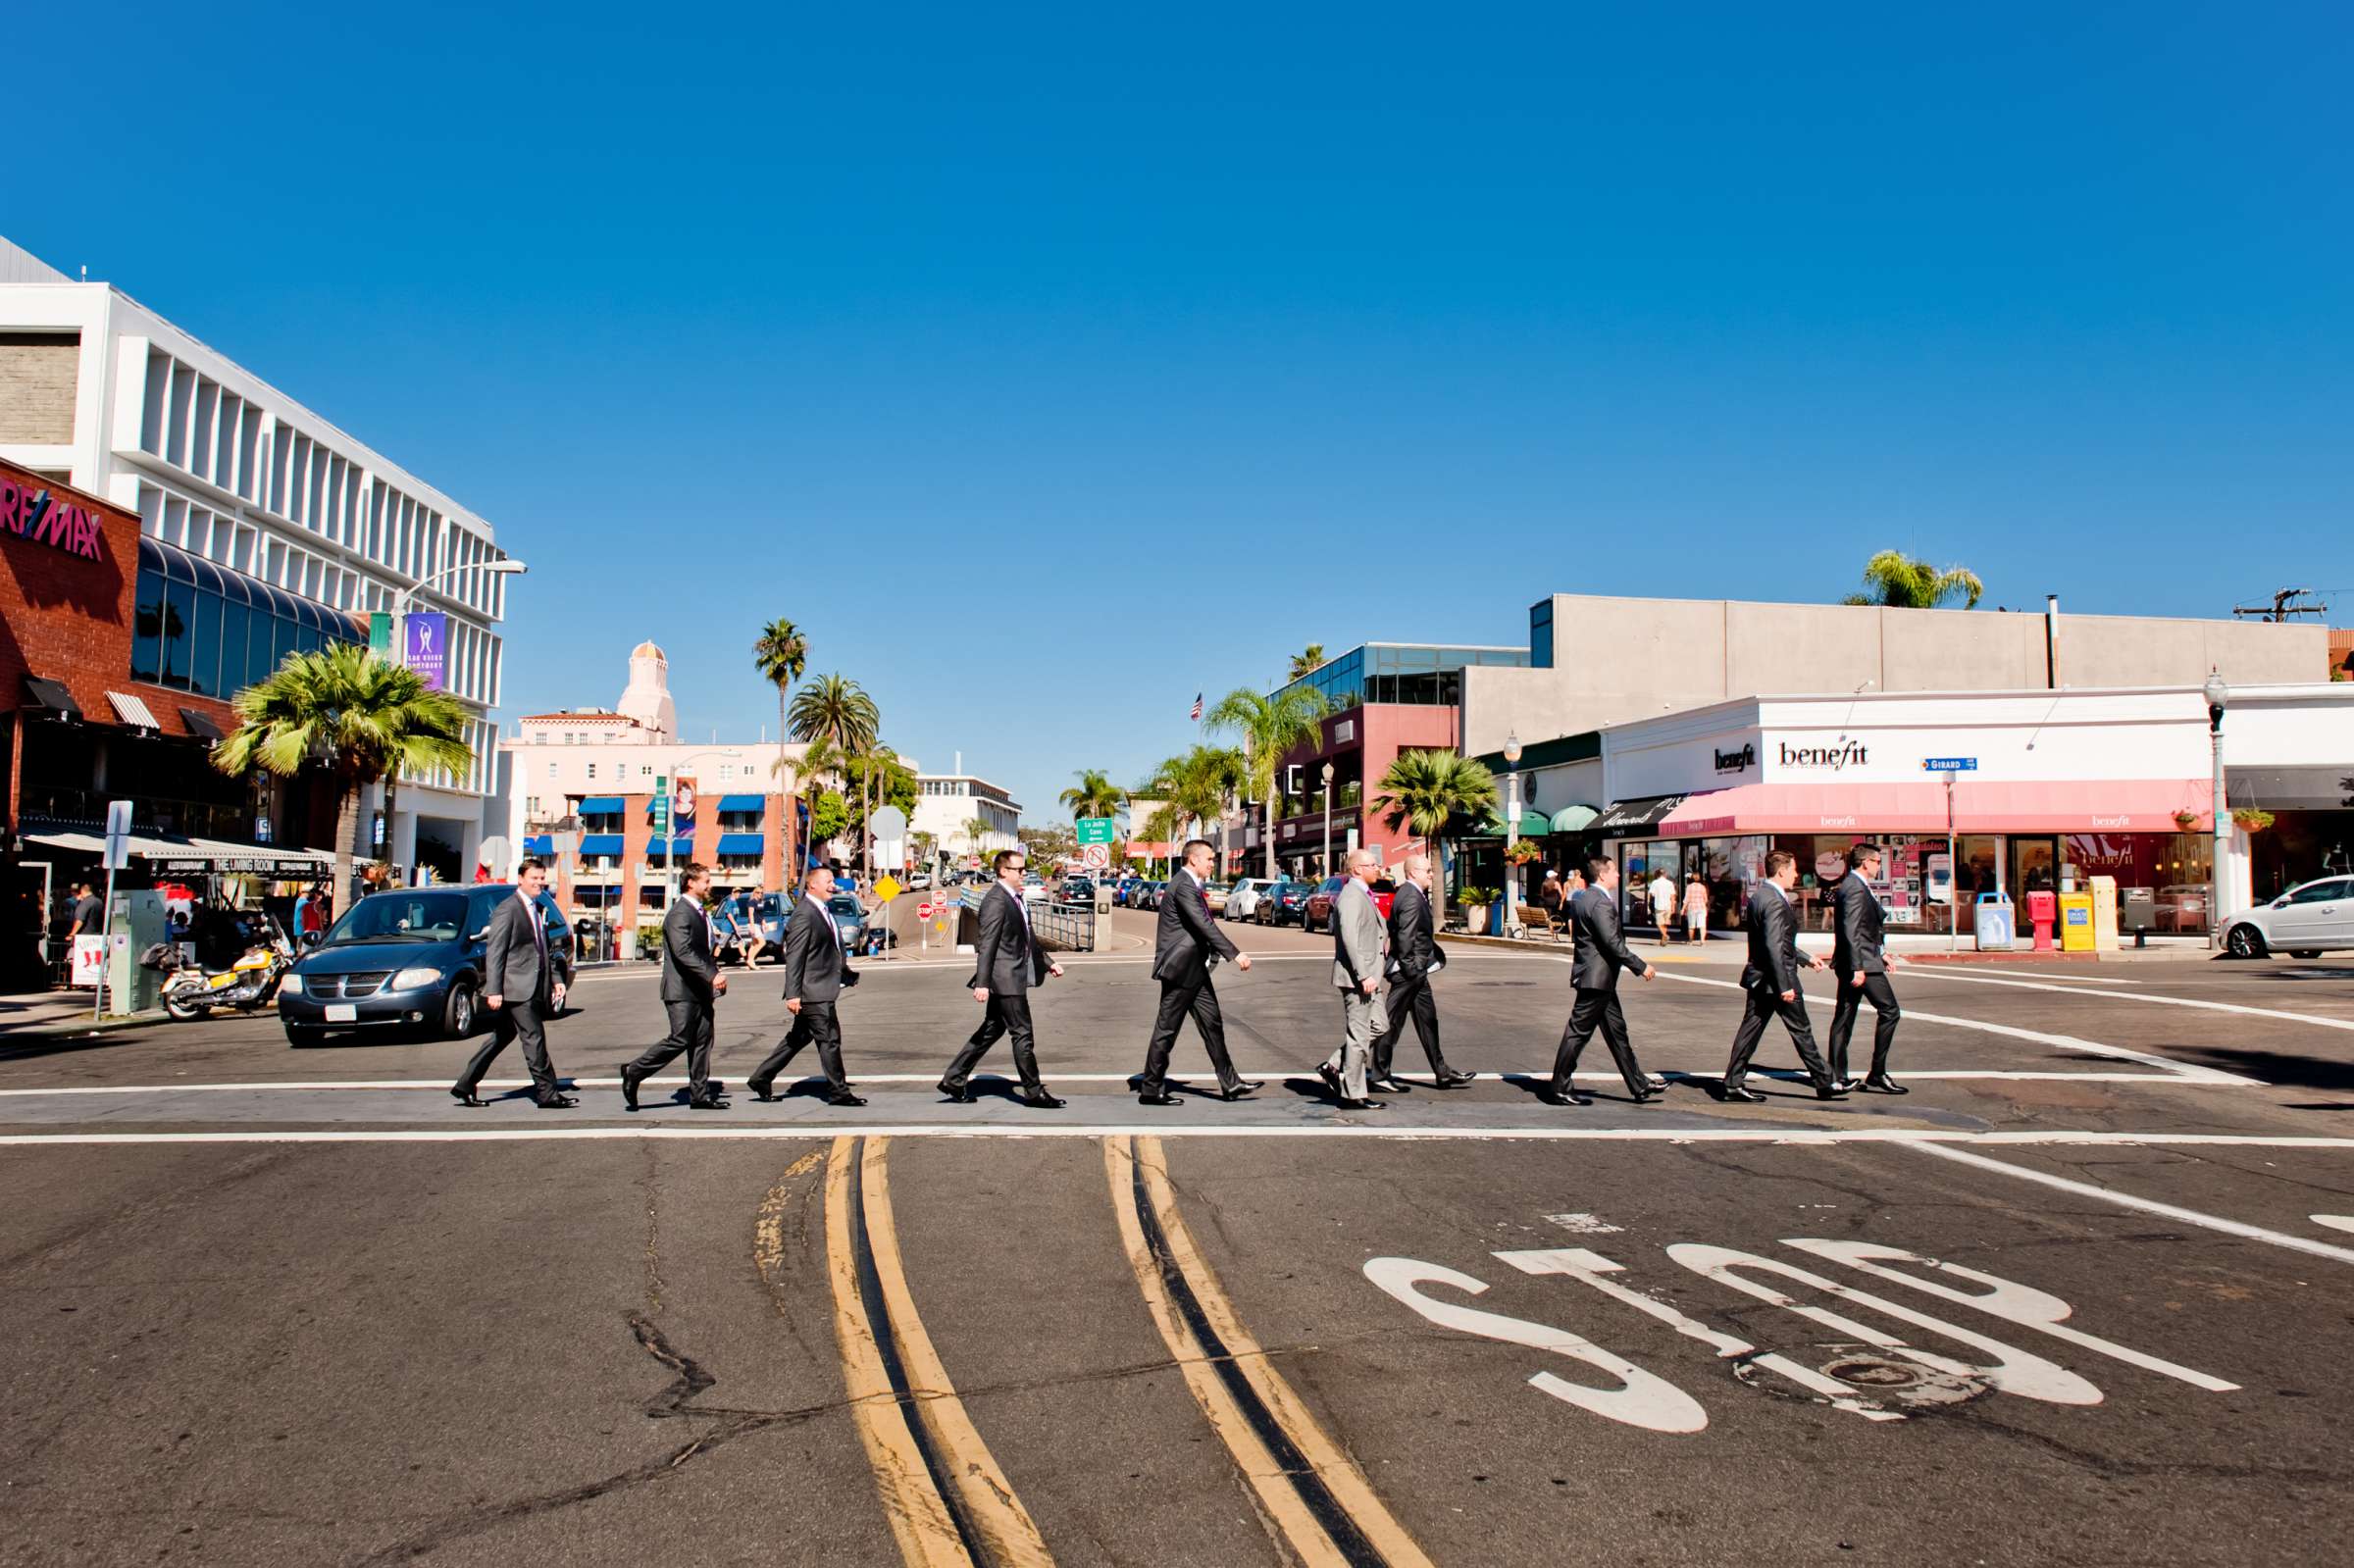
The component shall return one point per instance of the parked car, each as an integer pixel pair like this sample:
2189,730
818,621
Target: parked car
1124,889
1148,894
1242,902
1034,888
1215,894
1076,891
2304,922
1284,904
849,919
1317,916
409,958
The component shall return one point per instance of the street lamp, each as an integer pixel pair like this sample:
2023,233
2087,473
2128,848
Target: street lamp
1327,870
506,566
1512,831
2217,693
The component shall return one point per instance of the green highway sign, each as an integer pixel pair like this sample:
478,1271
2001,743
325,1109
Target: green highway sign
1096,830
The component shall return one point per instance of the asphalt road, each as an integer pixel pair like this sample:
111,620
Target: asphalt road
2080,1298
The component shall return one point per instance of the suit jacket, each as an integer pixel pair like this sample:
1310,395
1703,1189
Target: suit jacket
688,967
1598,950
1184,936
1413,944
1006,958
1856,924
513,966
1356,936
1773,961
816,966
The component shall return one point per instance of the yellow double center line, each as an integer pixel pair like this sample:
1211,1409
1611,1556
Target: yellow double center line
1304,1482
947,1502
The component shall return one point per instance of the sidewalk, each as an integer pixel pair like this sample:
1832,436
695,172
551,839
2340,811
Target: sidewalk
62,1012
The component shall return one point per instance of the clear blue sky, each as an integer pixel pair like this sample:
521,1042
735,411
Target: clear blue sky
1253,326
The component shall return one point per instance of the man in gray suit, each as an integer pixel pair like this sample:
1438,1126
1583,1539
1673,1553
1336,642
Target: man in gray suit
1599,954
1006,962
519,987
1770,981
1357,950
1185,941
1413,959
692,986
817,969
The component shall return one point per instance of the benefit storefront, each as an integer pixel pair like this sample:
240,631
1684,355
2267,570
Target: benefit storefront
2047,789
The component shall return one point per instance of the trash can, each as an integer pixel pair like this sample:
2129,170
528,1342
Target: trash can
1998,925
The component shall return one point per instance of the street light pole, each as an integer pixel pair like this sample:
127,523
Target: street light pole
1326,868
504,565
2217,694
1511,833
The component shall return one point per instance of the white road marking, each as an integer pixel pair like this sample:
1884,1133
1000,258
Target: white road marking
1584,1224
1938,1142
2335,1222
2155,1000
2212,1222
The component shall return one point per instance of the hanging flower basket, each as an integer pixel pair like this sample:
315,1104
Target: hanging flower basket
2186,820
2252,819
1522,852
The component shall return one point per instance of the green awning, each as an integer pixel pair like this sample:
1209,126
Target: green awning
1573,818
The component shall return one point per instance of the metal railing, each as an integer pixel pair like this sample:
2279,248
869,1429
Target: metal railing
1064,928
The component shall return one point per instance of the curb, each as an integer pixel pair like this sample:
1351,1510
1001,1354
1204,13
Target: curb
85,1026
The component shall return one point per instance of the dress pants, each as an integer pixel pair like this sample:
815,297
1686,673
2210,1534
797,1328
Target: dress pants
517,1017
1882,996
1597,1007
1410,999
814,1021
1764,1002
1362,1021
690,1032
1007,1013
1191,996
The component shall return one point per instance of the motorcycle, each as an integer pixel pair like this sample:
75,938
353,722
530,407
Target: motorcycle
249,985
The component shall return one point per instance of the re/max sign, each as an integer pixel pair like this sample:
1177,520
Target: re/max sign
42,518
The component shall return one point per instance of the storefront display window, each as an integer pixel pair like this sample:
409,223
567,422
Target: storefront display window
1638,864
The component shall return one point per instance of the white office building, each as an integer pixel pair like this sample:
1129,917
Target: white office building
949,804
100,392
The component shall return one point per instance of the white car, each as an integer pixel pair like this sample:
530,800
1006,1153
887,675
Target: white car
2302,922
1242,899
1034,888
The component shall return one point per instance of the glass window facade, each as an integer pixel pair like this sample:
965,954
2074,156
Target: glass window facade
210,632
1399,673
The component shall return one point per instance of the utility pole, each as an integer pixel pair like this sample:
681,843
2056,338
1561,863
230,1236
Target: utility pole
2282,607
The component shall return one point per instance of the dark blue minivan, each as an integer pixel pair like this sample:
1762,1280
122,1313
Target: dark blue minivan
408,959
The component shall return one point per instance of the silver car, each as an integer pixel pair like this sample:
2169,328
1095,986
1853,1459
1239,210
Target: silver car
2303,922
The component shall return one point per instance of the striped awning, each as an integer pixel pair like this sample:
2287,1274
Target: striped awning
133,710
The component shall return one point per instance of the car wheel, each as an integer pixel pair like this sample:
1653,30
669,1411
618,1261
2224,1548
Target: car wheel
301,1036
2304,952
457,1012
2244,941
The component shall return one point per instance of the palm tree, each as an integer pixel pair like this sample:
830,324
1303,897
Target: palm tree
1201,786
1894,579
1096,796
360,717
1270,727
781,653
1307,661
977,828
1425,791
837,711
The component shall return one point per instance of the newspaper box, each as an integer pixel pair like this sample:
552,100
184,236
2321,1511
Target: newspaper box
1998,927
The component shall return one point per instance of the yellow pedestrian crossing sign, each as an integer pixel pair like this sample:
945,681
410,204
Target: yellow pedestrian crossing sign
887,889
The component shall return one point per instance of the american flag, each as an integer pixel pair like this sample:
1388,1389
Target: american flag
1196,707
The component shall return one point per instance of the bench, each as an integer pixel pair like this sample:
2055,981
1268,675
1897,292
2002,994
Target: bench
1534,919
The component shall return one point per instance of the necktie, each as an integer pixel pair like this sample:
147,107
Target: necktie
538,933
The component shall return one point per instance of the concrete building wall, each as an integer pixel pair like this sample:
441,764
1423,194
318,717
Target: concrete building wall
37,379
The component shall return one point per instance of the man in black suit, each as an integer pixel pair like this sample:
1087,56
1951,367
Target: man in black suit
1770,981
816,971
519,986
1860,961
1413,957
692,986
1184,941
1597,954
1006,962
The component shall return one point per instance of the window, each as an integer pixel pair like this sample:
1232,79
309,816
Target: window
551,770
2319,893
645,770
593,771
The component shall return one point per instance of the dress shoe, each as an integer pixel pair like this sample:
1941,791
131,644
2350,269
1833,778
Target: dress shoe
558,1103
1883,1085
1389,1084
630,1079
758,1088
1162,1098
843,1097
707,1102
1245,1085
1562,1096
1648,1097
1655,1083
1364,1106
467,1097
962,1097
1332,1077
1830,1091
1747,1096
1451,1079
1043,1101
1237,1091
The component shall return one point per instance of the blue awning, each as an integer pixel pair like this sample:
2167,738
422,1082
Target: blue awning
742,803
539,844
594,846
741,843
681,847
600,805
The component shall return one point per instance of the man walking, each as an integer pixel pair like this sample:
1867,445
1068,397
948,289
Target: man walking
1413,958
1357,964
1860,961
692,986
519,987
1006,962
1599,953
1770,981
816,971
1662,903
1185,941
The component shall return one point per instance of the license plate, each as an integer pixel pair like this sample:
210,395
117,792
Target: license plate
342,1013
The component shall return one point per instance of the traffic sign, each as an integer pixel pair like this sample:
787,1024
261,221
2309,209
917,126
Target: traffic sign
118,834
1949,765
1095,857
1096,830
887,889
889,823
923,911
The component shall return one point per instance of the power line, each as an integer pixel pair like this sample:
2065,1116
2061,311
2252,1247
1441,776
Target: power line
2285,605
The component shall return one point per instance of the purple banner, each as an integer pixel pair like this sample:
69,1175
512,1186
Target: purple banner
425,647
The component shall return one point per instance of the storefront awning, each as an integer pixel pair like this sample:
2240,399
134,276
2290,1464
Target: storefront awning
2104,805
2107,805
1574,818
740,844
1632,816
742,803
172,856
200,723
598,845
600,805
1809,808
53,696
539,844
133,710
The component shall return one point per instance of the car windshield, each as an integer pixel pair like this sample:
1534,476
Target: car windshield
844,904
416,916
1333,885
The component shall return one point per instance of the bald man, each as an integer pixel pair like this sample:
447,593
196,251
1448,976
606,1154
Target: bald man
1357,947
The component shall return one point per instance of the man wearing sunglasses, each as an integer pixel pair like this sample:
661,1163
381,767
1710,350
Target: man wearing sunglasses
1006,962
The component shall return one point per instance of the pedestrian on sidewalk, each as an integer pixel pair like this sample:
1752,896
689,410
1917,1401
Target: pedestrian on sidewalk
1357,950
1006,962
1662,903
1696,909
692,986
1769,984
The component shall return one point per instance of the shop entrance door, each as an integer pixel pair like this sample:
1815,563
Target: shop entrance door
2034,867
